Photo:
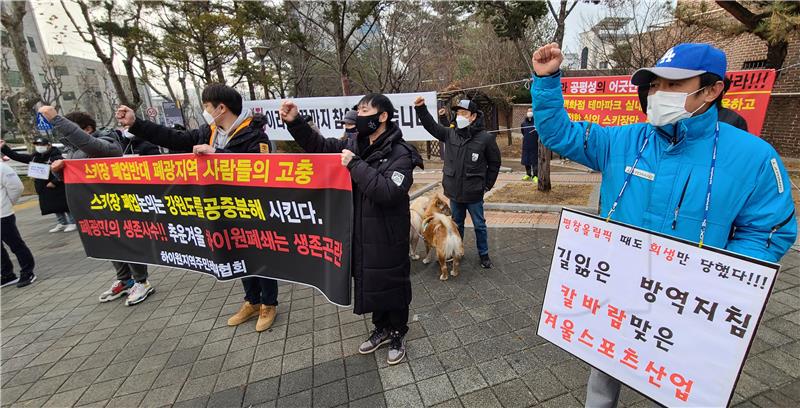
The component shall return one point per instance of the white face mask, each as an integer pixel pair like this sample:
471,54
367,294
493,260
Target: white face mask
41,149
664,108
529,115
461,122
208,118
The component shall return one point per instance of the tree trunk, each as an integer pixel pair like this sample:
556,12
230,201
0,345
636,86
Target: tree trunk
509,120
21,102
544,153
776,54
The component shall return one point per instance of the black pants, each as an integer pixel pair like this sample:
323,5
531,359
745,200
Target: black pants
531,170
392,320
260,291
11,237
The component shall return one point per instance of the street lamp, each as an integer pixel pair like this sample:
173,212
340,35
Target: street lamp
260,51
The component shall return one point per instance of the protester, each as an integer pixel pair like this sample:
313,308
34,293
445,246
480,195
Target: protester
135,146
746,207
228,129
727,115
10,191
82,140
348,122
530,148
471,166
52,194
381,165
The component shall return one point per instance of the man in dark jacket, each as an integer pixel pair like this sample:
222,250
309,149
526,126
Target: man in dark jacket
78,131
135,146
52,195
729,116
471,166
381,165
229,129
530,148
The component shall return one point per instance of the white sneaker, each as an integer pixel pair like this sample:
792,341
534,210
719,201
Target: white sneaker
139,293
58,227
70,228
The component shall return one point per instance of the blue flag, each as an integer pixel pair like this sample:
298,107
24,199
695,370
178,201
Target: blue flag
42,123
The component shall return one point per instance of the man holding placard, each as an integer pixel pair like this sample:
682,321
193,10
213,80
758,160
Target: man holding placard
684,174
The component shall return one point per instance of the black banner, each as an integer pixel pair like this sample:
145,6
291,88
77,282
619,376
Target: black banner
287,217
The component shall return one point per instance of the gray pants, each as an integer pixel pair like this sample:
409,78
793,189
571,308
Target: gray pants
127,271
602,390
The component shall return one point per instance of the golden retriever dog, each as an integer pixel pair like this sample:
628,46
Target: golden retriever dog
441,233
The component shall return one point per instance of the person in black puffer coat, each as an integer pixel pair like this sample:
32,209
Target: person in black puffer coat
52,194
381,165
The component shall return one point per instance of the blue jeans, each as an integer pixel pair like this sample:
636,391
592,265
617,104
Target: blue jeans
65,218
478,221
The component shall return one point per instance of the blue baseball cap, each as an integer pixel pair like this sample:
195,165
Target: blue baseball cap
684,61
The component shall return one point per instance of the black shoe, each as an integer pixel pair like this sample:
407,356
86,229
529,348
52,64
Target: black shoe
8,280
378,338
486,263
26,280
397,348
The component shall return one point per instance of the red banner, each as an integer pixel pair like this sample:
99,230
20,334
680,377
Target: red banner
613,101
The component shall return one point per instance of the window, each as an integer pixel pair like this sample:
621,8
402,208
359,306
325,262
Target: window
14,79
755,64
4,39
604,65
91,72
68,96
32,44
61,70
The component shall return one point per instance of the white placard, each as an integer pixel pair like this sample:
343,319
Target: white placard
39,170
699,323
326,110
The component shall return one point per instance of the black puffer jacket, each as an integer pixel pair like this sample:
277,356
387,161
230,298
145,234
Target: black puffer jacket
471,158
51,200
382,176
249,139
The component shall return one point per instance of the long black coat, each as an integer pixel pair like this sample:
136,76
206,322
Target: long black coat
51,200
530,143
471,158
381,175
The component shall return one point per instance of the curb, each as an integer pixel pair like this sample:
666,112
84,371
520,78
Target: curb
423,190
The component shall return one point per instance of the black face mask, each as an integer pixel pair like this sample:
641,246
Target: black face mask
367,125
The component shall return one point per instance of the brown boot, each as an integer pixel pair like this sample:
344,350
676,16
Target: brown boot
265,318
245,313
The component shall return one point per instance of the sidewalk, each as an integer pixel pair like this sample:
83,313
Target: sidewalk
472,342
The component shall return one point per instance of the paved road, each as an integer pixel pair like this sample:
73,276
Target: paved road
472,342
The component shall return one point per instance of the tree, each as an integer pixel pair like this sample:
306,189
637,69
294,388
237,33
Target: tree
345,25
775,22
99,27
391,58
636,33
23,101
560,17
51,94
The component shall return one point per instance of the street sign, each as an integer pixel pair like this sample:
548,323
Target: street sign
152,112
42,123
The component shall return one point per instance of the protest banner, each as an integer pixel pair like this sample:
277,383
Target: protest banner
283,216
667,318
326,110
613,100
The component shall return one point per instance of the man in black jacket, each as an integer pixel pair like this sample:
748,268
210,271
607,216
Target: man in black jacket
381,165
229,129
471,166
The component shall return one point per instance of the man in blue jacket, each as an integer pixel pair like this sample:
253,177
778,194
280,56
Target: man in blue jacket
684,173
